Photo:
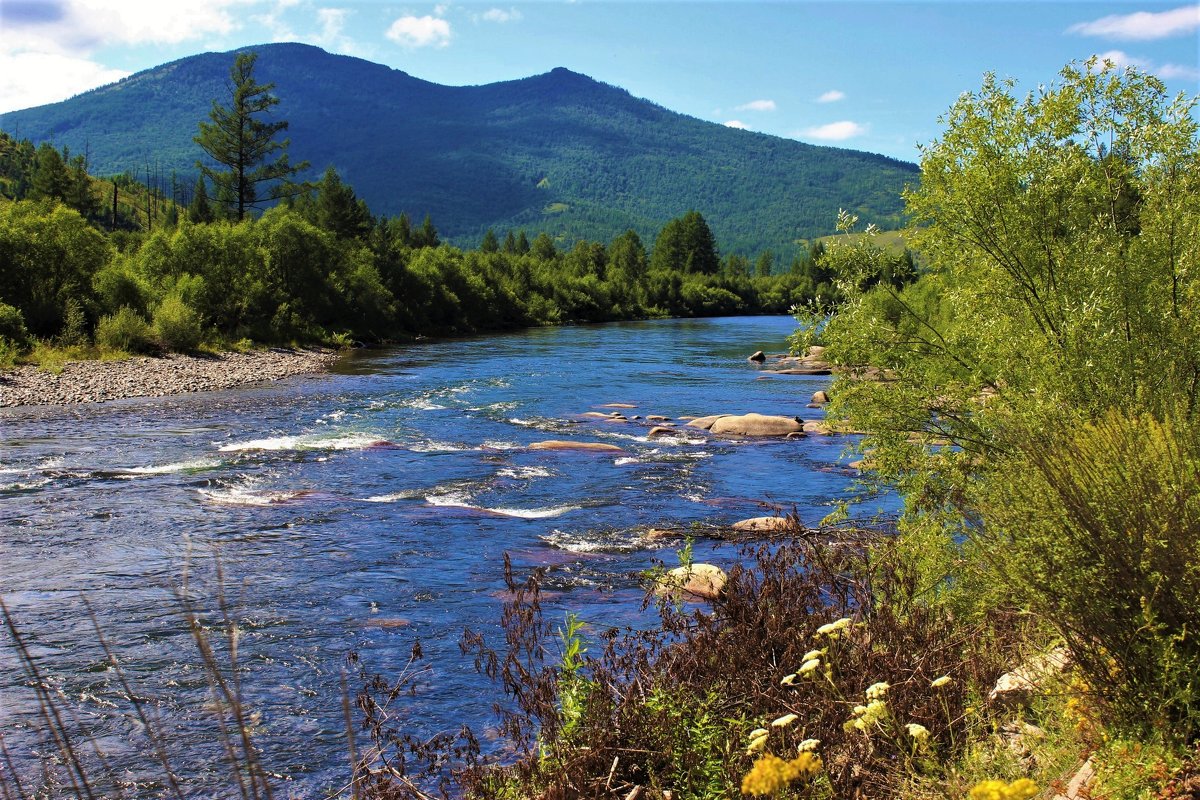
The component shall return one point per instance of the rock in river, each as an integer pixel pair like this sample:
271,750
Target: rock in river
756,425
698,581
563,444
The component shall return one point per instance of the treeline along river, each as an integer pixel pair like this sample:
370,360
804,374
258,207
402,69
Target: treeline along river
362,509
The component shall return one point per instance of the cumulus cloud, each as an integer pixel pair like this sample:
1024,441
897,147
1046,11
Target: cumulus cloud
1178,72
424,31
500,15
34,79
1143,25
737,123
757,105
835,131
46,45
832,96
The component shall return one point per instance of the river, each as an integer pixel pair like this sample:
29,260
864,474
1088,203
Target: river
362,509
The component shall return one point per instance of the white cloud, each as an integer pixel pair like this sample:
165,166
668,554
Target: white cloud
1122,59
835,131
757,105
76,27
1143,25
500,15
1178,72
737,123
1165,71
420,32
34,79
332,21
832,96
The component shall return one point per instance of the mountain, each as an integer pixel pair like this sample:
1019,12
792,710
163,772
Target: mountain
558,152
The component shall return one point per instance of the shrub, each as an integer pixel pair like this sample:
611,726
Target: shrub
1098,531
177,325
126,330
12,327
695,704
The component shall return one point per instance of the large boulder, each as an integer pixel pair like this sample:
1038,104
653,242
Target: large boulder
763,524
756,425
694,582
561,444
705,423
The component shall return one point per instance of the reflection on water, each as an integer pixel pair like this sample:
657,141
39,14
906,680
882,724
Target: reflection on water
360,510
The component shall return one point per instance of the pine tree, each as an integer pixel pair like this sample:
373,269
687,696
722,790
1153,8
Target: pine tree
245,145
490,243
200,211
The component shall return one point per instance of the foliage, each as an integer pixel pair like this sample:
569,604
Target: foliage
239,140
125,330
1057,286
801,634
177,325
1098,530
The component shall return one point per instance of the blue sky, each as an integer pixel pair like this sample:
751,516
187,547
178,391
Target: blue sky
866,75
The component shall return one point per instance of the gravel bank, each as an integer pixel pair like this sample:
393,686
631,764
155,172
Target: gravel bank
98,381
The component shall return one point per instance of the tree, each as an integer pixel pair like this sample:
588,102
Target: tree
200,210
245,145
337,209
490,243
51,179
686,243
543,247
765,264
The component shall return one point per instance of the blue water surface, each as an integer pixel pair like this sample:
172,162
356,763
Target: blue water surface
366,508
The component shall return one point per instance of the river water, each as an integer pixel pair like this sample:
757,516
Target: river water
365,508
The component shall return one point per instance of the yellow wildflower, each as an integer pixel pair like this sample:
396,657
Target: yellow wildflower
811,654
784,721
808,667
876,691
834,628
1022,789
771,774
945,680
758,740
788,680
808,745
917,731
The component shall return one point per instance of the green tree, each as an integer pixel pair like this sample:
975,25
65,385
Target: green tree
51,180
686,243
543,248
338,209
200,210
490,243
765,264
256,166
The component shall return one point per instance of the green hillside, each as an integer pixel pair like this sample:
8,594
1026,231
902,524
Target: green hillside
557,152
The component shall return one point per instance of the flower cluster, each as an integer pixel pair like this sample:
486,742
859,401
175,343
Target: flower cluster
835,628
1022,789
811,661
770,773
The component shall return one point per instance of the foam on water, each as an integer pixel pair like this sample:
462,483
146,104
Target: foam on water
525,473
166,469
352,441
247,496
406,494
605,541
461,499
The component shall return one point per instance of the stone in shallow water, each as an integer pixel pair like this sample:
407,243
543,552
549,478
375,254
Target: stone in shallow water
764,524
756,425
564,444
698,581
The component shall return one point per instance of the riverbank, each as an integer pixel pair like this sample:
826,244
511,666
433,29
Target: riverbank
144,376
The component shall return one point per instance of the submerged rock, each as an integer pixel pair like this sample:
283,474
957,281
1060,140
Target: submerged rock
698,581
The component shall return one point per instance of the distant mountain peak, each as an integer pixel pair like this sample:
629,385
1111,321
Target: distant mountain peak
473,157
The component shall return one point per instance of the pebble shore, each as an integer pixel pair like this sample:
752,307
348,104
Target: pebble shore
99,381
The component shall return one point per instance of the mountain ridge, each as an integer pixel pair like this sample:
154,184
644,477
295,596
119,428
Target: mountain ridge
559,151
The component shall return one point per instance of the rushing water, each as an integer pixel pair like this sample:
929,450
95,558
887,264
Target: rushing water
363,509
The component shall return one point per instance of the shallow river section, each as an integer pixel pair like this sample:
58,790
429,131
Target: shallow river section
364,509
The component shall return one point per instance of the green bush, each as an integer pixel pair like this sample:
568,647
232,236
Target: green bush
12,327
1098,532
126,330
177,325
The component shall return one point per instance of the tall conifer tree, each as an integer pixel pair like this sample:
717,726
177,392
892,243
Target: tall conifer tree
239,140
